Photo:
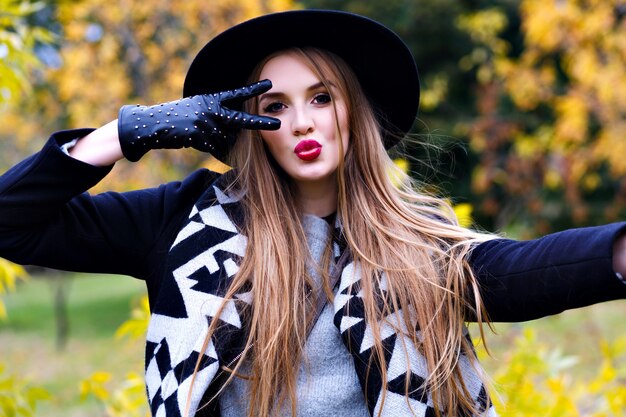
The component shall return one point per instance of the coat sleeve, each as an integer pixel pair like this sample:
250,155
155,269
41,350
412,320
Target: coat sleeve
48,219
526,280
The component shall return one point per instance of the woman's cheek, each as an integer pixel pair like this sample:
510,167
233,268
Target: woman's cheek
274,135
267,135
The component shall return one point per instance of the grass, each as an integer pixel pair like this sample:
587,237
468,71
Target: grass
97,305
575,333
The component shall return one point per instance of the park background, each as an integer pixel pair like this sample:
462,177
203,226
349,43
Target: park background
522,120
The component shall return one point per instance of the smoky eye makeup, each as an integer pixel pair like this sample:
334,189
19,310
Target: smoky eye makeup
272,107
322,98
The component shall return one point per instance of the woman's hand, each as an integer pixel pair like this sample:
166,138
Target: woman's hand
202,122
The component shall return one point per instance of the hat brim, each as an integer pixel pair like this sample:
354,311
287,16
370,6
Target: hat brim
381,61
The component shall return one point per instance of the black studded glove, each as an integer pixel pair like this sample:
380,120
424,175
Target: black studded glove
201,122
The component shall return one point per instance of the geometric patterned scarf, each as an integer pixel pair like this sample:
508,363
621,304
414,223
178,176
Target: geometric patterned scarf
203,258
357,336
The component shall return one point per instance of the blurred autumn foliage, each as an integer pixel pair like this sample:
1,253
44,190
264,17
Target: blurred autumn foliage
535,89
18,38
112,53
531,93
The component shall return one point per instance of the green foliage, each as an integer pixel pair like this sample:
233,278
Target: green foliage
10,273
136,326
126,400
18,398
18,39
535,379
97,304
129,398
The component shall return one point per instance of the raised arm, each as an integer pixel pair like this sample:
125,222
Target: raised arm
48,219
99,148
204,122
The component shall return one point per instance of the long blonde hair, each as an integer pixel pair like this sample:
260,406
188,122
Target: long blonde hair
412,238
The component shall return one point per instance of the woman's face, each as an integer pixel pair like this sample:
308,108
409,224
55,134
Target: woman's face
306,145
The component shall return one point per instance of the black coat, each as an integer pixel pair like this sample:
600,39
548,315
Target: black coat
47,219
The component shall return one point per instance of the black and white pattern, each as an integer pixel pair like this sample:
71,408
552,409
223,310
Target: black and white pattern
203,257
201,262
358,338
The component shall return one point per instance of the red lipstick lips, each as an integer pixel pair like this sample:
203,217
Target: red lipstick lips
308,149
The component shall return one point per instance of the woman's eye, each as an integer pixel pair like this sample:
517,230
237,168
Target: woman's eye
322,98
274,107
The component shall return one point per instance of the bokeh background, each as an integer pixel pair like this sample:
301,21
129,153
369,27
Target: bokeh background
522,125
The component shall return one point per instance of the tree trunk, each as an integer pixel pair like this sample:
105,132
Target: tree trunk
61,286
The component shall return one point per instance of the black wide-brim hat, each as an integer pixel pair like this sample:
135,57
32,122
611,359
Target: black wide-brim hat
381,61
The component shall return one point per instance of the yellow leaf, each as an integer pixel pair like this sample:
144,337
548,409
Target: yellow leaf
137,325
463,213
101,377
398,172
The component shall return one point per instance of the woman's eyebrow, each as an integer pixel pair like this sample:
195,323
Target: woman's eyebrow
316,86
322,84
271,95
278,94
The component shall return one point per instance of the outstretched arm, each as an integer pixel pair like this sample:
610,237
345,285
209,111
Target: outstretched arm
526,280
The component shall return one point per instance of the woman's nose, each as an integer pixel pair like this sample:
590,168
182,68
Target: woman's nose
302,122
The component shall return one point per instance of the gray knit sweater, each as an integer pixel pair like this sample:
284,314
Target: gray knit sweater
327,382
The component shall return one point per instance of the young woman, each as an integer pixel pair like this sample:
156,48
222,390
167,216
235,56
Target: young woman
302,282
